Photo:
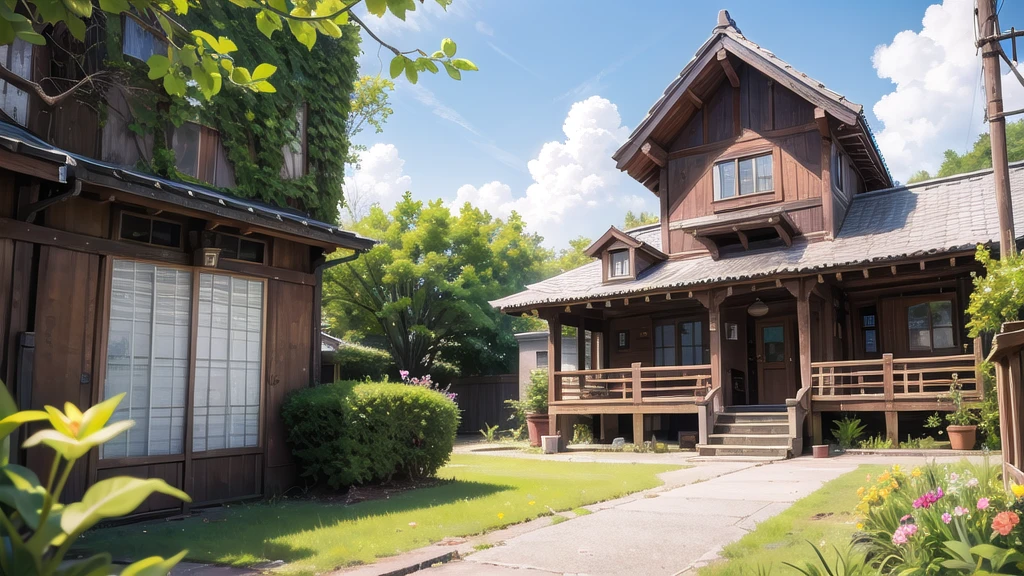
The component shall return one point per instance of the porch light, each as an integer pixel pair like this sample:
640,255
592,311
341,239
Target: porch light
647,298
207,257
757,309
590,306
568,309
607,303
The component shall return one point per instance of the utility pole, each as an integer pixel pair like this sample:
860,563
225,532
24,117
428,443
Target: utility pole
988,31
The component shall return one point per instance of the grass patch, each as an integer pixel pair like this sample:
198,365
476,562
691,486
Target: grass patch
825,518
484,546
581,512
484,493
556,519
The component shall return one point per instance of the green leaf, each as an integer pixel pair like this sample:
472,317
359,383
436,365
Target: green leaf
20,489
452,71
227,64
154,565
437,55
463,64
263,71
448,47
98,565
264,86
397,65
115,6
158,65
11,423
304,32
81,8
410,72
246,3
240,76
76,26
209,39
377,7
111,498
400,7
226,45
31,37
180,6
268,22
428,64
68,446
165,24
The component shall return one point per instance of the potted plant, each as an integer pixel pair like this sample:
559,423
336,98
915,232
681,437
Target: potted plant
962,428
533,410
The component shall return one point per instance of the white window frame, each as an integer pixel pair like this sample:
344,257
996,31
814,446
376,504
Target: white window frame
737,191
16,57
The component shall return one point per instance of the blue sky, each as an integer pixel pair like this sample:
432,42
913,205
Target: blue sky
533,130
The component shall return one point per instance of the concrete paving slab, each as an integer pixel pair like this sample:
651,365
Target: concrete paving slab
697,507
750,522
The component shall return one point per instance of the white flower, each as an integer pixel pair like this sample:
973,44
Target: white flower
195,103
192,83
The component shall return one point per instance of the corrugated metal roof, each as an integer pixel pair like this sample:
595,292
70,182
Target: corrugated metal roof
928,218
19,140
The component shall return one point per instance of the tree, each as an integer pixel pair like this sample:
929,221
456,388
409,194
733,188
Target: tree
198,57
425,288
919,176
370,105
637,220
569,258
979,156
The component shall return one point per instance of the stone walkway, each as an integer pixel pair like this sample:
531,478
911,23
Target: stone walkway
673,531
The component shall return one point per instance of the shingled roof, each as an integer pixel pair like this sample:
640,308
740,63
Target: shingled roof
934,217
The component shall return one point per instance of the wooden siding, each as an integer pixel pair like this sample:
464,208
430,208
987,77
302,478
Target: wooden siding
81,216
482,401
170,472
289,317
223,478
639,349
290,255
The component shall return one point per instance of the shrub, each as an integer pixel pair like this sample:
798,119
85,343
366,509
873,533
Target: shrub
358,362
582,434
848,431
348,433
878,442
536,401
926,443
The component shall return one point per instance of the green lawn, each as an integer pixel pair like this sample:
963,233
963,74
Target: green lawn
312,537
825,518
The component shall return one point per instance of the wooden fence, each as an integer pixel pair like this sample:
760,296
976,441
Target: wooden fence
891,378
1008,355
482,401
637,384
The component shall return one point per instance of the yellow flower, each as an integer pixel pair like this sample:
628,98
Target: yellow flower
884,477
860,492
894,485
860,525
916,473
896,469
501,515
869,478
532,502
884,493
1018,490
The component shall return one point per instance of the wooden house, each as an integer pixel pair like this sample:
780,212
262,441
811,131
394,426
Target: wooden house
202,307
788,278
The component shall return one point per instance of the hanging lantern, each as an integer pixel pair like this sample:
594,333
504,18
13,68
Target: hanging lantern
757,309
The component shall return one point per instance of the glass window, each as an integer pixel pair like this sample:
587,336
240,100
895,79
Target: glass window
869,330
542,359
16,57
665,345
148,357
774,340
185,143
931,325
755,175
620,263
228,363
139,42
295,151
691,343
135,228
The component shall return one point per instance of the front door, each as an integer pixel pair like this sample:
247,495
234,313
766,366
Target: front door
774,361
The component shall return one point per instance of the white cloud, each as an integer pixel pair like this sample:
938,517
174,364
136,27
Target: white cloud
576,188
380,179
512,59
426,97
938,101
484,28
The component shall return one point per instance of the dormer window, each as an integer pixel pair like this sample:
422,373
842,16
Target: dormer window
619,264
743,176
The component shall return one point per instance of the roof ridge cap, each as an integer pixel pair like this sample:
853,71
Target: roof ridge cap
931,182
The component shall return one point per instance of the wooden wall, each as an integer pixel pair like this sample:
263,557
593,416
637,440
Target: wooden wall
482,399
639,350
758,117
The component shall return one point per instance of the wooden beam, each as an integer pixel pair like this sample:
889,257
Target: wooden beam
692,96
821,119
743,239
709,244
656,153
31,166
723,59
37,234
784,234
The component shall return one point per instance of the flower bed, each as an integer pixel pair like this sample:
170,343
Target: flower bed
941,520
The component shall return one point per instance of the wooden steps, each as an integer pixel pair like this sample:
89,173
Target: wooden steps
761,431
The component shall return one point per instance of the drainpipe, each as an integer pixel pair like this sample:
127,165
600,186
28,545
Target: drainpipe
321,264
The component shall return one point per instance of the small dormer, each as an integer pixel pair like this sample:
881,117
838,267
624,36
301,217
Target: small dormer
623,257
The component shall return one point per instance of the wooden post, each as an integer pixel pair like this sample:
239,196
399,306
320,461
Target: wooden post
891,415
638,429
988,26
816,432
979,375
712,300
554,359
637,391
827,210
801,289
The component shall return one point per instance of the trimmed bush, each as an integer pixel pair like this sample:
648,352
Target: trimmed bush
348,433
360,362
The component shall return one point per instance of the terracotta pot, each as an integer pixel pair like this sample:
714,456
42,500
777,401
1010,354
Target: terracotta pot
820,450
962,437
537,425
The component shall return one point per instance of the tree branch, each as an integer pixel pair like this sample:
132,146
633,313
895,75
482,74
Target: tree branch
29,86
331,16
363,25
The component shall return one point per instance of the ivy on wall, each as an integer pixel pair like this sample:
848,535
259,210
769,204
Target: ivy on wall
255,127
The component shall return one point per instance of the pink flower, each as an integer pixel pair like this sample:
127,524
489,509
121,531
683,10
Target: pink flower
959,511
926,500
905,518
404,374
903,533
973,482
982,503
946,518
1004,522
953,477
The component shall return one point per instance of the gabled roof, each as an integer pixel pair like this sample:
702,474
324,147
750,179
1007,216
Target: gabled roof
667,115
924,220
615,235
18,140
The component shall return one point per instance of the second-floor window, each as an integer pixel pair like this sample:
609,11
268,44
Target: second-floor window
139,42
931,325
16,57
619,264
295,151
742,176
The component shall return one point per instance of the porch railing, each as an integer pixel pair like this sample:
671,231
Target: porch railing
895,378
636,384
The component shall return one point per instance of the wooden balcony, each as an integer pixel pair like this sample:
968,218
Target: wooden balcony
653,389
888,383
